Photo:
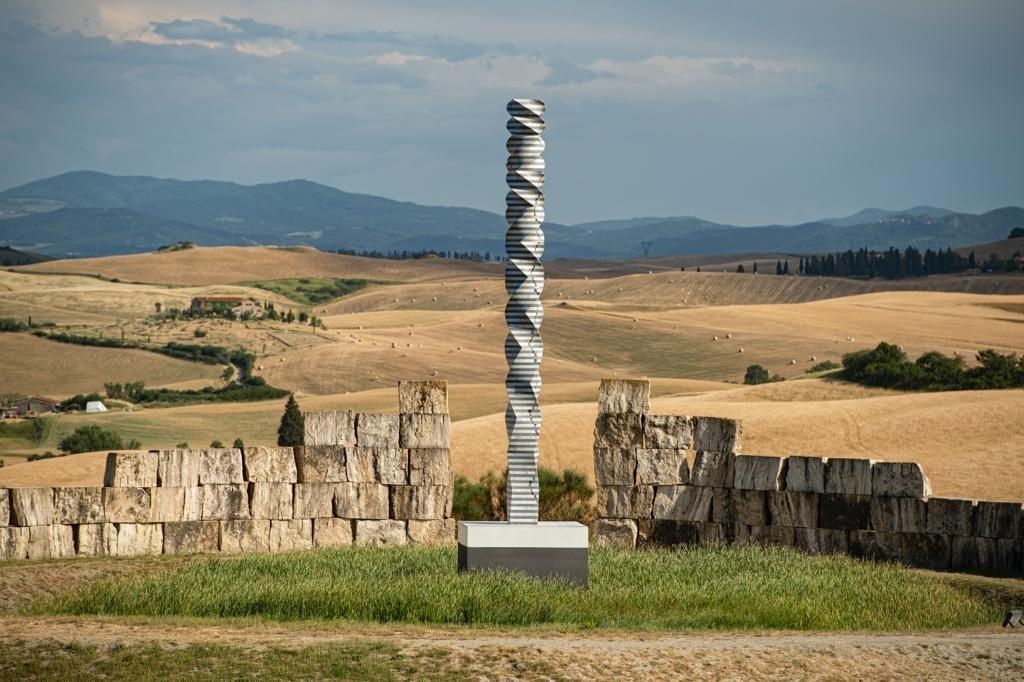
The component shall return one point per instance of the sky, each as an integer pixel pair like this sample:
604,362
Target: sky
742,112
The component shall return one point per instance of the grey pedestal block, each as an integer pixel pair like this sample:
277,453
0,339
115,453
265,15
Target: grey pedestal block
546,550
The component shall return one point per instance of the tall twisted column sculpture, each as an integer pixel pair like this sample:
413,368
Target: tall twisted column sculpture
524,281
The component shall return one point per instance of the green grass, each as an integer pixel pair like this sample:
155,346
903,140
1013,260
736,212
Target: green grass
706,587
312,290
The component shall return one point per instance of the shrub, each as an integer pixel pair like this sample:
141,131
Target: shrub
292,430
825,366
92,437
756,374
565,497
9,324
887,366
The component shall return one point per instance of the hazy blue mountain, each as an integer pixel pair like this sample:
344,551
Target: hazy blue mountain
874,215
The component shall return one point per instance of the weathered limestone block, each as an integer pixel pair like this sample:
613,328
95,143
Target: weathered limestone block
270,465
248,536
624,430
225,502
376,533
191,537
641,501
31,506
876,545
716,434
38,542
5,507
91,538
430,466
615,466
822,540
1010,556
899,479
220,466
848,476
927,550
361,501
377,430
615,533
425,431
845,512
625,502
619,396
178,468
668,431
722,508
950,516
77,505
193,510
329,428
799,510
423,397
666,533
683,503
360,466
749,535
139,539
13,543
713,469
321,463
126,505
331,533
713,533
998,520
750,507
391,466
974,554
782,536
421,502
661,466
166,504
314,500
899,514
755,472
291,535
433,532
273,500
805,474
131,469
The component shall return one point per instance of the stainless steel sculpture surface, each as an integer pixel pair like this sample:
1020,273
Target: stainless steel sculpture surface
524,282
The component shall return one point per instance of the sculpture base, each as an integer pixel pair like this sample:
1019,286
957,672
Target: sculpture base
549,549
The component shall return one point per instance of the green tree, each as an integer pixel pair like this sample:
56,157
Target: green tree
756,374
238,444
1016,232
216,444
292,430
90,438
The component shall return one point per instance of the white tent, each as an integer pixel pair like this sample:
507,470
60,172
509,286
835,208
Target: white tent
95,406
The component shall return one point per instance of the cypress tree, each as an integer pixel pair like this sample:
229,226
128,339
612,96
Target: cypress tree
293,425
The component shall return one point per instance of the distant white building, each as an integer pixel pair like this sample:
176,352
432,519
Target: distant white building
94,406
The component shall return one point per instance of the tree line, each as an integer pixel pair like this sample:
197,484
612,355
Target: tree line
404,254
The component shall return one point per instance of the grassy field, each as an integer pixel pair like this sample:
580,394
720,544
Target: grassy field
706,588
311,290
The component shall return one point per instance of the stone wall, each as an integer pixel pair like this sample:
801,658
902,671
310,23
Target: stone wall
368,479
666,480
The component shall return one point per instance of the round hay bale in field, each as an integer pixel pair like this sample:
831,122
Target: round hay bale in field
792,362
728,336
394,344
740,350
814,358
715,338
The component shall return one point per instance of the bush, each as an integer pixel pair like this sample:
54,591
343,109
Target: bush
756,374
888,367
565,497
92,437
825,366
9,324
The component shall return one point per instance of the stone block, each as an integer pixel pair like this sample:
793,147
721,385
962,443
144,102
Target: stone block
378,533
433,532
127,505
877,546
666,533
998,520
625,502
193,510
13,543
360,466
91,539
713,469
683,503
314,500
274,500
974,554
429,467
755,472
291,535
750,507
619,396
329,428
61,538
950,516
615,533
1010,556
423,397
714,533
421,502
321,464
615,466
246,536
131,470
5,507
749,535
899,479
138,539
377,430
331,533
178,468
191,537
31,506
77,505
661,466
848,476
845,512
641,501
899,514
220,466
166,504
799,510
782,536
391,466
361,501
822,540
425,431
225,502
674,432
927,550
625,430
805,474
270,465
722,508
38,542
716,434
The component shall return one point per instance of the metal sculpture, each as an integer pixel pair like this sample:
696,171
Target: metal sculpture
524,282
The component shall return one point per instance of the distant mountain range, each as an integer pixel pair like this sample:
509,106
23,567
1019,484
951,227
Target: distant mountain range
85,213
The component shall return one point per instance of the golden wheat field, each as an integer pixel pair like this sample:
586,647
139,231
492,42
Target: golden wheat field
692,333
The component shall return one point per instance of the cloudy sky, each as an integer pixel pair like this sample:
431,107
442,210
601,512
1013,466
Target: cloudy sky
745,112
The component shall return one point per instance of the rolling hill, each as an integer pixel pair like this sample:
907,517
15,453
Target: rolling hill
10,257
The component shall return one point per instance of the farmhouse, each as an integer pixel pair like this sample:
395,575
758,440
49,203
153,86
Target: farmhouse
33,405
220,305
